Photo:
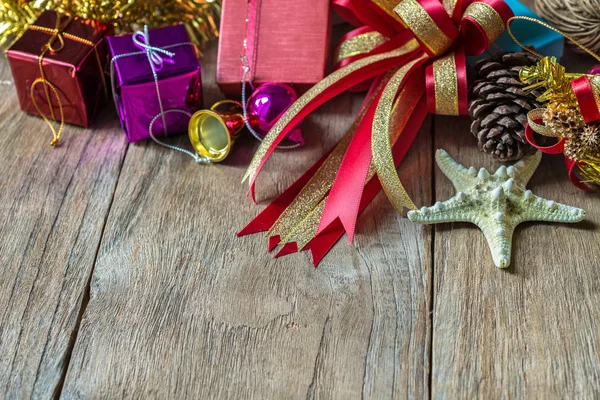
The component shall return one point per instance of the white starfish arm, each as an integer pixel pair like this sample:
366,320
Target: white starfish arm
499,234
451,210
538,209
462,178
524,169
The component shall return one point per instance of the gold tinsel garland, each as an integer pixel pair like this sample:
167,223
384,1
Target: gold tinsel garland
201,17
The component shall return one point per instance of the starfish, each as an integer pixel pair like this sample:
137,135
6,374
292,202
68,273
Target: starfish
495,203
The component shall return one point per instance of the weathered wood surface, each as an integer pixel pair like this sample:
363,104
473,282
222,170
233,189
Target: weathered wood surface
180,308
53,206
532,330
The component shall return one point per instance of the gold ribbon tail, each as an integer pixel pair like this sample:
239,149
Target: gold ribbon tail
381,142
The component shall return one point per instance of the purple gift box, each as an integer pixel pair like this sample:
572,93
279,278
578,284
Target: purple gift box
135,90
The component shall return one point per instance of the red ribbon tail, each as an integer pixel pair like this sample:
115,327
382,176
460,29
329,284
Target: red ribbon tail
273,242
344,198
320,245
287,249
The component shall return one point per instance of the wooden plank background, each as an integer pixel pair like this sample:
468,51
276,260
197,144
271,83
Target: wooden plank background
121,277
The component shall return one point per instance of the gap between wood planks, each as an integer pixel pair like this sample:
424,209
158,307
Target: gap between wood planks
432,265
86,293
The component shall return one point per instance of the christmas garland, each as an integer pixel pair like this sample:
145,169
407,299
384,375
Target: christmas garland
201,17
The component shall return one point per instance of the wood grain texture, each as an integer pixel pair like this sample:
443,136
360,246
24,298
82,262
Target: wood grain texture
181,308
532,330
53,205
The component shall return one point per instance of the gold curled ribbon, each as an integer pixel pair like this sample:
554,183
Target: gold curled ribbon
542,129
47,84
358,45
315,91
57,34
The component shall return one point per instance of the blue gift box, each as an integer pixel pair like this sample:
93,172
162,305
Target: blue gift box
545,41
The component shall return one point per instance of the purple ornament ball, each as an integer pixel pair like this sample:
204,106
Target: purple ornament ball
267,103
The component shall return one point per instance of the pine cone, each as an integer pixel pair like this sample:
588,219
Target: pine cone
499,109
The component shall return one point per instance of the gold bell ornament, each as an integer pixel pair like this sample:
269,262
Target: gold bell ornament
212,132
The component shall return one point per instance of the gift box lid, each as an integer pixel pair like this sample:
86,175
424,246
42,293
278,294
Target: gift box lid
30,44
136,68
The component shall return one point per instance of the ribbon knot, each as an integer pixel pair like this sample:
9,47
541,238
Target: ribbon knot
141,39
56,34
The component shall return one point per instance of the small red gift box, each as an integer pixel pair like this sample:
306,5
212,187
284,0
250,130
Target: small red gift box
73,56
288,42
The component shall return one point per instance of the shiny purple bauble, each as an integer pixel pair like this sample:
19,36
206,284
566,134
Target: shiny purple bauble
267,104
595,70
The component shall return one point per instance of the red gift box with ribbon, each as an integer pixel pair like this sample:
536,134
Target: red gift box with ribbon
413,53
58,68
287,41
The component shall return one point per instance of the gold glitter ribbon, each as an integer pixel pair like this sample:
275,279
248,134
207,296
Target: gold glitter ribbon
358,45
487,18
387,6
313,192
315,91
381,143
423,26
305,229
595,82
57,34
446,85
542,129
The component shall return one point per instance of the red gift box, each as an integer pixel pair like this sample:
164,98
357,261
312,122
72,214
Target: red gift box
288,42
74,67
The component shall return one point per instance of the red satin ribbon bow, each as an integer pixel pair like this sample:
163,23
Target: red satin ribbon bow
416,52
